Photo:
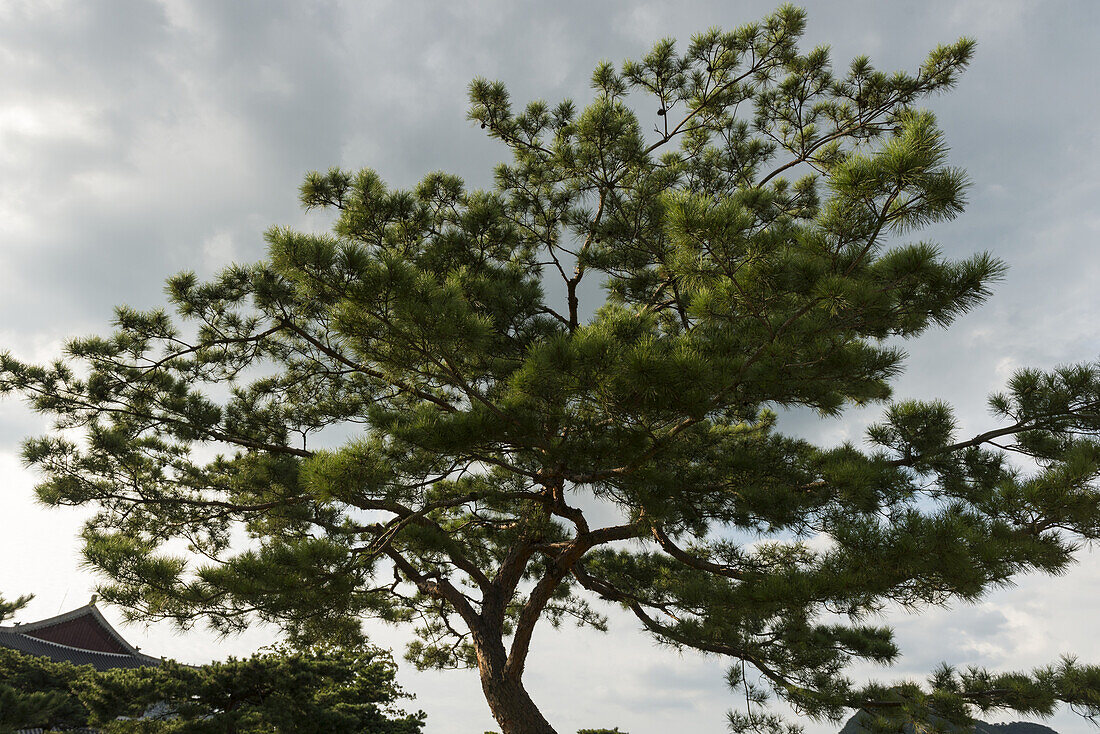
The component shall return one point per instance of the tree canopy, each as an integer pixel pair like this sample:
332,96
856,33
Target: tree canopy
326,691
37,692
425,418
312,692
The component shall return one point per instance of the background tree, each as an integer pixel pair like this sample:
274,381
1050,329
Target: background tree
421,422
37,692
323,691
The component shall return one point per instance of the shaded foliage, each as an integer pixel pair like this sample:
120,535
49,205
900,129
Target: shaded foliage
322,691
337,692
37,692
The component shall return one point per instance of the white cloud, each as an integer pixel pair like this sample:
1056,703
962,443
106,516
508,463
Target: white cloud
990,19
45,119
1006,367
218,250
644,22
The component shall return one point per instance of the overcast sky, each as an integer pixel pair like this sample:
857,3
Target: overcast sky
141,138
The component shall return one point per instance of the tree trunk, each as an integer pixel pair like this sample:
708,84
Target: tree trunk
512,708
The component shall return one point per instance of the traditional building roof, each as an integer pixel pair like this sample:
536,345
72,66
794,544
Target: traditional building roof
81,637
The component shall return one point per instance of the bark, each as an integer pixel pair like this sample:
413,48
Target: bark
508,700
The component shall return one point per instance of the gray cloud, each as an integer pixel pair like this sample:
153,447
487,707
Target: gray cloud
140,138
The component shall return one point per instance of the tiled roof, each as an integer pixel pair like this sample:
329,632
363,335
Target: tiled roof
81,637
82,631
74,655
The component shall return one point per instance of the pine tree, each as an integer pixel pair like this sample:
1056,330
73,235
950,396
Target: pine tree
38,692
418,414
9,608
311,692
322,690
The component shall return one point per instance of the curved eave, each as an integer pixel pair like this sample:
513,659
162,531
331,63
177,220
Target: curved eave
13,639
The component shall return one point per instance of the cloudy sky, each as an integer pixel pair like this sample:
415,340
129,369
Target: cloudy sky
139,138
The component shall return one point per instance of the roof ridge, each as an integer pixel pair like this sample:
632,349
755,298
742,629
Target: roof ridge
56,619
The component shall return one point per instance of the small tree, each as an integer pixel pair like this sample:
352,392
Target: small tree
747,248
326,692
322,691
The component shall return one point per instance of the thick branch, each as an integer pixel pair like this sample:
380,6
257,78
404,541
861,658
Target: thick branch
439,588
694,561
407,516
540,596
1032,424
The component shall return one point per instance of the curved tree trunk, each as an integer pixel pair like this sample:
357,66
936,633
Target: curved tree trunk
512,707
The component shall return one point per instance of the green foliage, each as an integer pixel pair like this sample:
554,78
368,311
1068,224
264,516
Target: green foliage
323,691
743,206
37,692
951,697
319,691
9,608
